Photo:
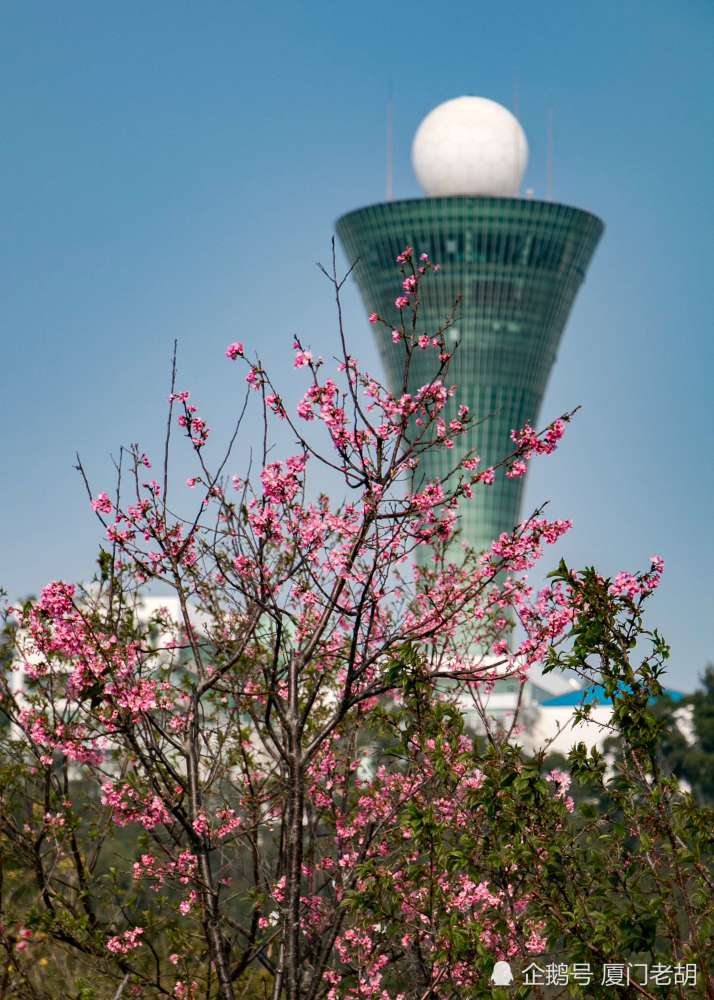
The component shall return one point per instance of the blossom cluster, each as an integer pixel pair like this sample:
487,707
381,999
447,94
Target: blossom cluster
301,622
122,944
633,586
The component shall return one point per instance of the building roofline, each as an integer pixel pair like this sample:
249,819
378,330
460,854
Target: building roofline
536,203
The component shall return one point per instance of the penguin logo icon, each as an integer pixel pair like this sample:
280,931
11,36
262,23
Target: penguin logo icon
501,975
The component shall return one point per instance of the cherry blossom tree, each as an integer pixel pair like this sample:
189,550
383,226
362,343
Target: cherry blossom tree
268,787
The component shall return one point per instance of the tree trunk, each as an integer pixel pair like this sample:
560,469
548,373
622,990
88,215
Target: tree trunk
294,845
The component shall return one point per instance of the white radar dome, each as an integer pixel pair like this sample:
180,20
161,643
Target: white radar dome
470,146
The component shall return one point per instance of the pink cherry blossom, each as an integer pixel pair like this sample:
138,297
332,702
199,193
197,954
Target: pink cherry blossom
102,504
302,358
234,351
122,944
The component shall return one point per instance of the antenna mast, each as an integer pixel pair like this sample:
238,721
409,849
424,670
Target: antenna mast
549,158
390,191
517,114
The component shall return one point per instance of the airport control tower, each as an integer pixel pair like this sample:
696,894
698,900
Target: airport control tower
516,263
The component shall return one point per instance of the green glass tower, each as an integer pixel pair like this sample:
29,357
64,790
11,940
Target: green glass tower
516,264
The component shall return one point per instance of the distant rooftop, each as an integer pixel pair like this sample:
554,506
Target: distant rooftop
595,695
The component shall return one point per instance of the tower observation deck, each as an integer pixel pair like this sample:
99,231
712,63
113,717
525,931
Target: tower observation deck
516,264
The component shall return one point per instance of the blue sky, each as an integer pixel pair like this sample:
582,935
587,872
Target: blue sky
174,170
